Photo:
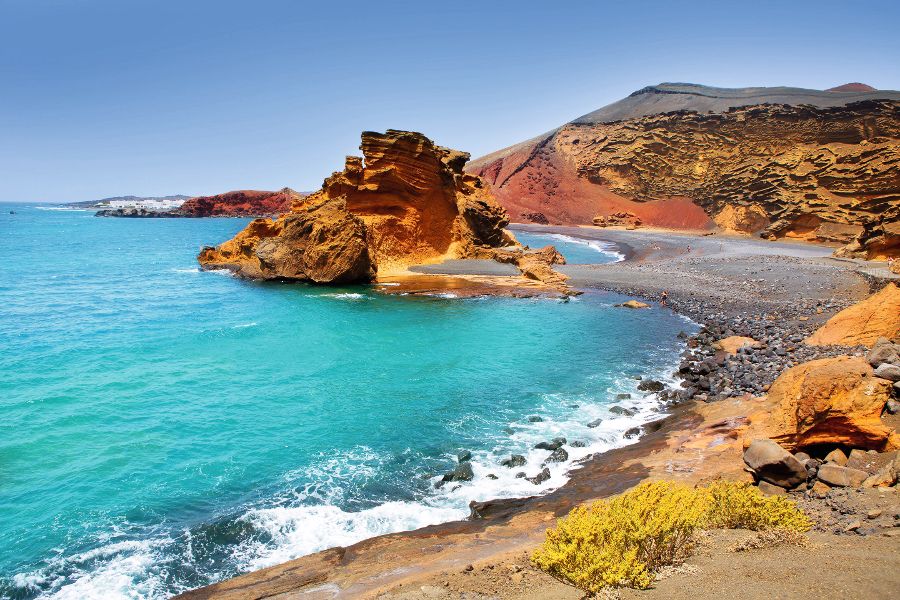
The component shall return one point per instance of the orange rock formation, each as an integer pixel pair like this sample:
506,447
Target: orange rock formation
830,401
405,202
864,322
805,164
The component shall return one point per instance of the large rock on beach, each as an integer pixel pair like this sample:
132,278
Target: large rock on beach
830,401
321,243
772,463
406,201
878,316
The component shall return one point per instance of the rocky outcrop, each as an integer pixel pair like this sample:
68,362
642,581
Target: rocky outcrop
802,164
878,316
322,243
831,401
241,203
405,202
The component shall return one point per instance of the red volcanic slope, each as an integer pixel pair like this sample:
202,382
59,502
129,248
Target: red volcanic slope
852,87
240,203
542,180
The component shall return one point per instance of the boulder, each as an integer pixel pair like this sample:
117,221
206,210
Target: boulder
837,457
632,433
541,477
633,304
464,456
649,385
551,445
595,423
558,455
838,476
884,351
463,472
774,464
888,371
819,490
863,323
515,460
733,343
831,401
771,490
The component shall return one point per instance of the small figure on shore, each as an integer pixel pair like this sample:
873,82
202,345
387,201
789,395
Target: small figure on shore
663,298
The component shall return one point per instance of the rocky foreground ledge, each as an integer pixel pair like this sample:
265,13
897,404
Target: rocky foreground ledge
786,386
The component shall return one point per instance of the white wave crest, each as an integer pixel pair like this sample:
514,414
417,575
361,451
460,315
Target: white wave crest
302,530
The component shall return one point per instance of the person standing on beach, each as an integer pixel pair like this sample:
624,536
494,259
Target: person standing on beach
663,298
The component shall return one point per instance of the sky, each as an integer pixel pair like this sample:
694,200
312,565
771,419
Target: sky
105,98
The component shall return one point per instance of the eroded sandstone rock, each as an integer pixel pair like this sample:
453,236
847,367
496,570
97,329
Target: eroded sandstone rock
878,316
831,401
406,201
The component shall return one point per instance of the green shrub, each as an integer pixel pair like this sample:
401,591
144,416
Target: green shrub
624,541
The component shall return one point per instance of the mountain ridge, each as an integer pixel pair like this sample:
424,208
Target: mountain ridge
816,165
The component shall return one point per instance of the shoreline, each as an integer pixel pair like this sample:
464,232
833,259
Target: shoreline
508,525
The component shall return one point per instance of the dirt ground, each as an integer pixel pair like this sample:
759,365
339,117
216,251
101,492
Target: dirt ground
831,566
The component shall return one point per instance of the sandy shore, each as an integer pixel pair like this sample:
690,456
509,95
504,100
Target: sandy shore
771,289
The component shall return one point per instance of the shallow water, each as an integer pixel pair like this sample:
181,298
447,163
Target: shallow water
165,427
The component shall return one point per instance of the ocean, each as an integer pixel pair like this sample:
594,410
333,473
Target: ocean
164,428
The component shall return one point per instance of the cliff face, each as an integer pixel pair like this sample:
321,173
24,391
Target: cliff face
406,201
819,166
241,203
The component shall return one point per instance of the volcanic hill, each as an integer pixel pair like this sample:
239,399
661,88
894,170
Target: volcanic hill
783,162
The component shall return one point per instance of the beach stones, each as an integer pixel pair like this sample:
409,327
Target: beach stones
838,476
541,477
463,472
632,433
595,423
515,460
558,455
650,385
552,445
618,410
888,371
774,464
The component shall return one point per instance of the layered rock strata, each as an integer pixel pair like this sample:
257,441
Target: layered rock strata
804,164
406,201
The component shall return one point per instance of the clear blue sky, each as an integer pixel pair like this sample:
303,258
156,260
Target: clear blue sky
101,98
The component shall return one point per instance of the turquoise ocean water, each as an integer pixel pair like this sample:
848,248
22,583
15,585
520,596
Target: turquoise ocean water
164,428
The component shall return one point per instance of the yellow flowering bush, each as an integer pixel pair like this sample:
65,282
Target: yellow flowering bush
624,541
733,505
